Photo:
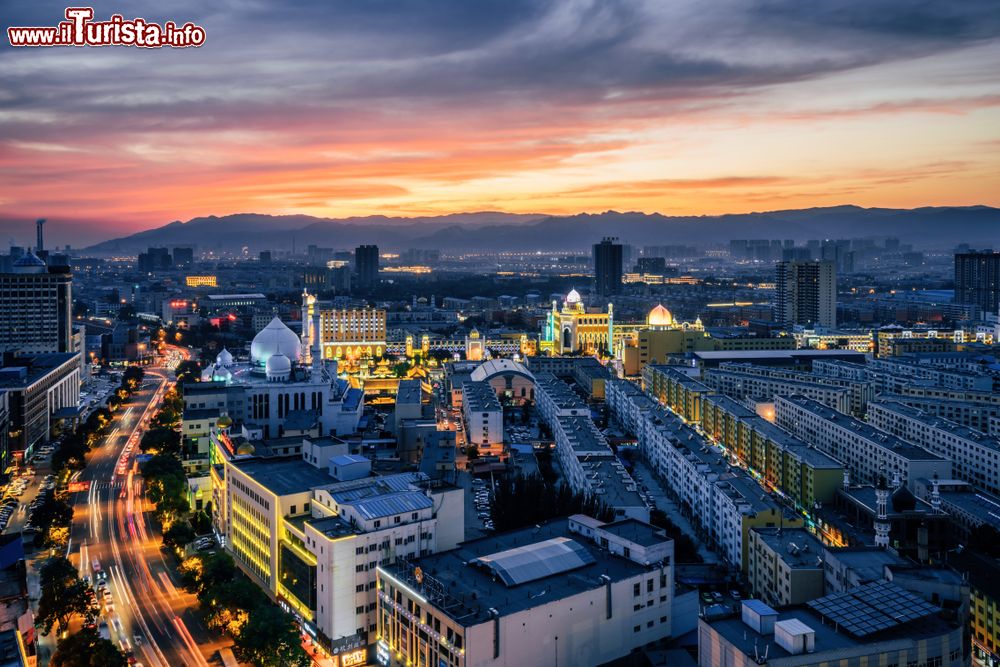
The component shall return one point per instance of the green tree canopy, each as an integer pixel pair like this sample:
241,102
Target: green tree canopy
87,649
63,596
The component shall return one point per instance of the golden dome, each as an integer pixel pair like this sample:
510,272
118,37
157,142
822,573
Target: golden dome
245,449
659,317
225,421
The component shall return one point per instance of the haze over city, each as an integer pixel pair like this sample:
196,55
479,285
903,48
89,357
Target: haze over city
412,109
500,333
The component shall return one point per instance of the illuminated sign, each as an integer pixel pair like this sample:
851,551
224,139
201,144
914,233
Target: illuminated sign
73,487
353,659
382,655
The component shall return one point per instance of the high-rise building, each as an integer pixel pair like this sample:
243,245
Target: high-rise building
977,279
183,257
366,265
806,293
608,266
154,259
36,307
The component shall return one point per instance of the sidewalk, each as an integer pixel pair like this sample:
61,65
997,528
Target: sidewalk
644,475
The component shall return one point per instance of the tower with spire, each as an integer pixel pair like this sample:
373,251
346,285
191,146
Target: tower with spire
882,511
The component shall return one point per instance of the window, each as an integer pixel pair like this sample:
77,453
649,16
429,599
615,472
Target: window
636,590
636,628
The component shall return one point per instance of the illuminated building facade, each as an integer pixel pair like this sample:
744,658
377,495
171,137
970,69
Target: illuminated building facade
344,332
576,328
572,591
201,281
313,534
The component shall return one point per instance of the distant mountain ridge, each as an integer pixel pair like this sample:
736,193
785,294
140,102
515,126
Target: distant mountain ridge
928,227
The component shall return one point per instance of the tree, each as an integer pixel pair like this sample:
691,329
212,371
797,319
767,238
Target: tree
179,534
53,511
187,371
271,639
126,313
87,649
63,596
166,485
158,440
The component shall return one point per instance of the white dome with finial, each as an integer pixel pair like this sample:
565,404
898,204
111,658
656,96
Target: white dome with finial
275,338
225,359
573,297
278,367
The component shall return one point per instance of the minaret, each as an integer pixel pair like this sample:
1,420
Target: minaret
847,479
611,330
308,315
882,518
317,347
935,496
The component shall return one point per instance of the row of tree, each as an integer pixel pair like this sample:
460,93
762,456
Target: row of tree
525,501
262,633
64,596
74,446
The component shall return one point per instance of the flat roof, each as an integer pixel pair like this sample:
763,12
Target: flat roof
37,367
633,530
796,547
940,423
772,354
409,392
283,476
472,589
895,444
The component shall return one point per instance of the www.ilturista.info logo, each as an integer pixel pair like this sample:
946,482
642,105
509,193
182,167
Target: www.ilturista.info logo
79,29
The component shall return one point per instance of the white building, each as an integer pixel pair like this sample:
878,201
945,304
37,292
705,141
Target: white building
314,541
587,461
483,417
276,386
975,456
742,384
570,592
862,448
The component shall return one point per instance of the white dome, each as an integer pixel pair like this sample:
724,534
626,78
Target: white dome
278,367
573,297
225,359
275,338
222,374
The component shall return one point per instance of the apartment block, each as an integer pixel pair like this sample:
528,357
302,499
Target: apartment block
862,448
975,456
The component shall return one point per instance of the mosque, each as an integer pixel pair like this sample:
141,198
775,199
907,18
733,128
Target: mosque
577,328
285,384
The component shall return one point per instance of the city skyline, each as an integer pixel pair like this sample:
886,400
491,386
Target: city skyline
528,108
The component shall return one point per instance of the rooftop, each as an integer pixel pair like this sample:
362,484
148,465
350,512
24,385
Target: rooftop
36,366
864,430
941,424
632,530
796,547
410,392
283,476
834,637
471,590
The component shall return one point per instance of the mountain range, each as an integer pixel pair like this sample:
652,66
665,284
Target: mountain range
928,227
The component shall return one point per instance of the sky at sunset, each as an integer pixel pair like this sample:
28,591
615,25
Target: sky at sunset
413,108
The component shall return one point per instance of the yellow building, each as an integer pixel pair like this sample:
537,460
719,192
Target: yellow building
201,281
676,390
577,328
779,460
663,337
351,333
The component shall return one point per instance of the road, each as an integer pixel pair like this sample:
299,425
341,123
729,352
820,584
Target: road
151,616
